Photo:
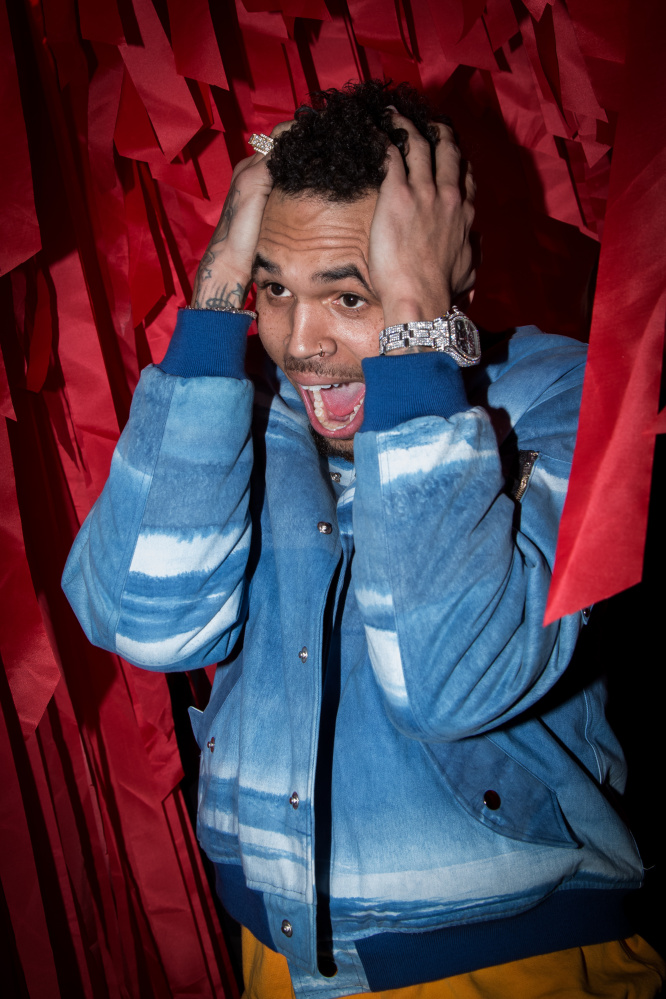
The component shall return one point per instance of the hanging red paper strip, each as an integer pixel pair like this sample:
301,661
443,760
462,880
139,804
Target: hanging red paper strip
20,884
100,22
377,25
18,219
194,43
31,669
602,534
165,95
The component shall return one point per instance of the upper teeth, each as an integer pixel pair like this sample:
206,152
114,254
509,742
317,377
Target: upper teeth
318,388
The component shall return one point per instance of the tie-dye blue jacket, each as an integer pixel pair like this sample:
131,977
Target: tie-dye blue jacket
390,772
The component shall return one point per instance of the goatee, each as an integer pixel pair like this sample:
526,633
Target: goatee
329,447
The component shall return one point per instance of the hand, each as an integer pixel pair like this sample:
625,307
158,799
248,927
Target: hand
420,259
225,273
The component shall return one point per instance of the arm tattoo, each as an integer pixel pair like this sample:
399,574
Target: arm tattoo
204,267
223,299
227,216
208,296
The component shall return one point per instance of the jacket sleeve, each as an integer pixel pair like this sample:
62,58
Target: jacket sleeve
451,574
157,570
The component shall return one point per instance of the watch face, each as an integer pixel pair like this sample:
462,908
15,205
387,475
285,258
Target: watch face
466,338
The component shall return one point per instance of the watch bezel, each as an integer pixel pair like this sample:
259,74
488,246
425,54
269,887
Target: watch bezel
465,345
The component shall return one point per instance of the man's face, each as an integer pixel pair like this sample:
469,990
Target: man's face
318,315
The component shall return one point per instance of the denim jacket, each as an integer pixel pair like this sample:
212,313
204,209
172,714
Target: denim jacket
390,786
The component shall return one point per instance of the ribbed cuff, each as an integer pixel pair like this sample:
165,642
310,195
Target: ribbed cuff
410,385
206,342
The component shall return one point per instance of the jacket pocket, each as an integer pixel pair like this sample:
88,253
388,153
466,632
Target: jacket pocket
196,721
226,678
500,793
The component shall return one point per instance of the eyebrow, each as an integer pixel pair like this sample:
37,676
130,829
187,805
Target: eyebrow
261,263
321,277
339,274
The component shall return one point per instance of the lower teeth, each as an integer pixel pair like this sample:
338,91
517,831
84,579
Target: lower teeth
338,424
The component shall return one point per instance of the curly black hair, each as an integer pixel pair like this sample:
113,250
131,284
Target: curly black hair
337,146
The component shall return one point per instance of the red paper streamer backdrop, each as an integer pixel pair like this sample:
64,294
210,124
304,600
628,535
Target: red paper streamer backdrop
121,122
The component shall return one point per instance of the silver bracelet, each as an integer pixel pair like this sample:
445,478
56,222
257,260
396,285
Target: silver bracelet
452,334
229,308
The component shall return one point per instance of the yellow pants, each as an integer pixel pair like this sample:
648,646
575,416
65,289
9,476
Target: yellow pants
623,969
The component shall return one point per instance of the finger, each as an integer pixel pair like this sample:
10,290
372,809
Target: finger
259,155
417,153
451,157
249,161
258,158
396,175
447,159
282,126
468,181
444,131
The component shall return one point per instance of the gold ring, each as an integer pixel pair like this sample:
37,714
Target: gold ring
260,143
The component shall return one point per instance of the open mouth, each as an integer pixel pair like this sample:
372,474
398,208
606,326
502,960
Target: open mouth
335,409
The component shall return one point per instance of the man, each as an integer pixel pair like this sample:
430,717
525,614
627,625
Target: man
394,787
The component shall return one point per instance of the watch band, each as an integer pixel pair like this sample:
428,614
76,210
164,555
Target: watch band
452,334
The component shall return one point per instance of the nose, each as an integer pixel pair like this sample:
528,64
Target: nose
309,335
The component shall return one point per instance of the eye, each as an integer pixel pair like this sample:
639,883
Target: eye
351,301
278,290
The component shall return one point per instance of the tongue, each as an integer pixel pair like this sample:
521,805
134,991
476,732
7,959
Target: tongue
339,402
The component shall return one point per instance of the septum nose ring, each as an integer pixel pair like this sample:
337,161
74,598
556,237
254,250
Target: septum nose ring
321,352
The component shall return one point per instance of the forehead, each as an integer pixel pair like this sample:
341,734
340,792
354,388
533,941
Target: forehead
304,231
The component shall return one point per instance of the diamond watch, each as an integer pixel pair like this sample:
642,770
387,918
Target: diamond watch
453,334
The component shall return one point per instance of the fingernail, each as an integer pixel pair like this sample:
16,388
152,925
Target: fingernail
390,107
